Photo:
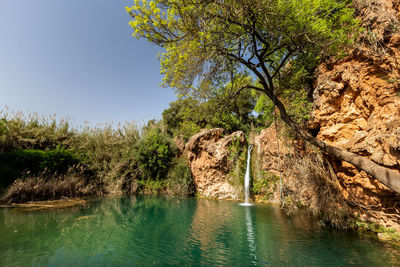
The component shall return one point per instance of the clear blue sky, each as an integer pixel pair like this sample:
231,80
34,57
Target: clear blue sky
78,59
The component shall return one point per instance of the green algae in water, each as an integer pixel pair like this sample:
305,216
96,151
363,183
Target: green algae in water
147,231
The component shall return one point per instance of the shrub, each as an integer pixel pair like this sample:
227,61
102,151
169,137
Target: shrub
188,129
265,182
154,153
32,143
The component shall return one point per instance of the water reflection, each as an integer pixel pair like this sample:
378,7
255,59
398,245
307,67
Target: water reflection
212,232
251,237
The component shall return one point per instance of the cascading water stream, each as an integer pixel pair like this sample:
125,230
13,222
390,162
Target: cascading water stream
247,179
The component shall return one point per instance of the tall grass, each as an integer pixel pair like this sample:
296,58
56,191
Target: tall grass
20,130
108,155
106,152
110,152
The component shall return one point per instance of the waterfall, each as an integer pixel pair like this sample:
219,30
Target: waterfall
247,178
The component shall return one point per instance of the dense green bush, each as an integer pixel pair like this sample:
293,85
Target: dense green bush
14,164
154,153
178,182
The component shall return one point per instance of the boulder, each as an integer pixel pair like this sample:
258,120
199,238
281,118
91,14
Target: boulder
209,154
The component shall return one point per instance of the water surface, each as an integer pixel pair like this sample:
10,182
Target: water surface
147,231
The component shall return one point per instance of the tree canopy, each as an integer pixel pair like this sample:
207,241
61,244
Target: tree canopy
205,40
229,109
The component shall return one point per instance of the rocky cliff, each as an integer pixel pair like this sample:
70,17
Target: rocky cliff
215,163
357,107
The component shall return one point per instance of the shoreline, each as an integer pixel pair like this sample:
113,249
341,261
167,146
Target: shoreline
46,204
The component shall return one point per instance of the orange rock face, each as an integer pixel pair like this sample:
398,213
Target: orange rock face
209,157
357,107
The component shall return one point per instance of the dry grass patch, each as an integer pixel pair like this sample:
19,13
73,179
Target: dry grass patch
314,186
44,186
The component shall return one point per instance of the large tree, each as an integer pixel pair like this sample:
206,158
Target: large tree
205,40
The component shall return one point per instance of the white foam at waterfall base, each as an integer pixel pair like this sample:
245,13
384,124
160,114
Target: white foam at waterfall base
247,180
246,204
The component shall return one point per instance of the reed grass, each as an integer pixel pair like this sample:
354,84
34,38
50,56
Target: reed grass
106,153
20,130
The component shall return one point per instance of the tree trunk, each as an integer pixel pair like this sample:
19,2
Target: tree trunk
388,177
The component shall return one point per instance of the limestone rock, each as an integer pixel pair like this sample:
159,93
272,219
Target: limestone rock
267,150
208,153
357,107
